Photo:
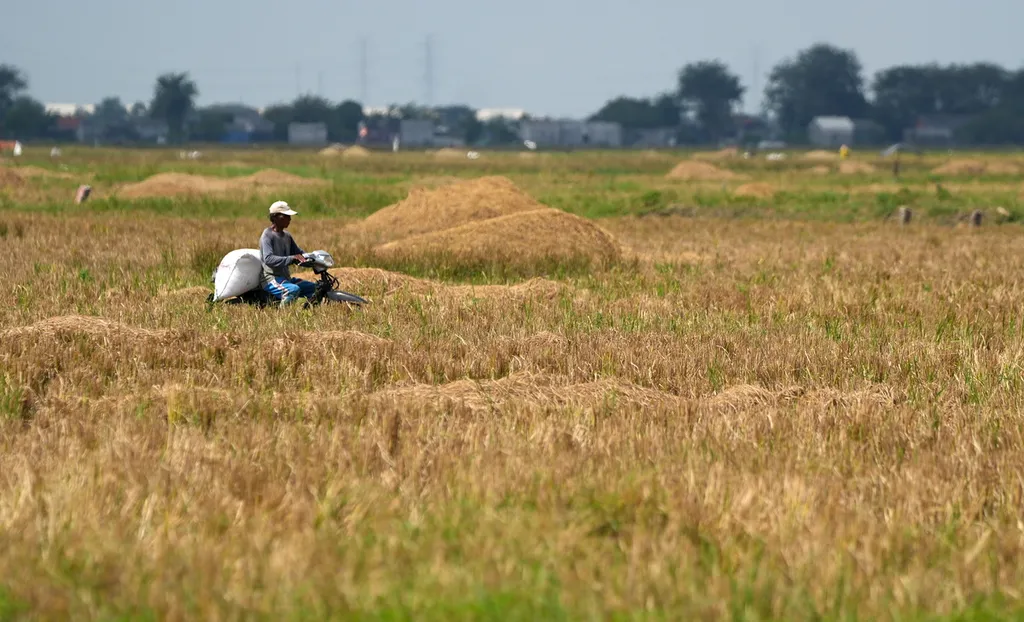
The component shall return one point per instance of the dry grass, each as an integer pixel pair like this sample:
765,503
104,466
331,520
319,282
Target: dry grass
754,418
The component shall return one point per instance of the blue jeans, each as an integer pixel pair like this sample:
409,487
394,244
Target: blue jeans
287,290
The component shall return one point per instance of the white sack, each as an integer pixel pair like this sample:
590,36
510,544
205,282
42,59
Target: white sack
237,273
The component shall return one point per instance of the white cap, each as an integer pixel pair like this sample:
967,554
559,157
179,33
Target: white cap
280,207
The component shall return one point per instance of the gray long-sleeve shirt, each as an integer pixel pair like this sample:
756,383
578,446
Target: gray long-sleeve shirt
277,250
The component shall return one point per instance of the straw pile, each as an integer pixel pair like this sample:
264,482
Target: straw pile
487,219
855,168
448,153
80,325
715,156
536,389
543,233
689,170
456,203
331,151
819,155
356,152
756,190
182,184
961,167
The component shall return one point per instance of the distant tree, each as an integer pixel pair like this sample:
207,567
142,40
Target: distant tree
902,94
210,125
667,112
173,101
971,89
311,109
27,118
634,113
110,111
12,83
138,110
906,92
498,131
821,80
280,115
709,91
348,114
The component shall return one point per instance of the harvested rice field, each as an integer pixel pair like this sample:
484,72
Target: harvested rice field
658,385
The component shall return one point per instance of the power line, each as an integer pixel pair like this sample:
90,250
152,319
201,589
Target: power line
429,71
364,77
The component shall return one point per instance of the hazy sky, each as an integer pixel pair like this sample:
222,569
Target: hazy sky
558,57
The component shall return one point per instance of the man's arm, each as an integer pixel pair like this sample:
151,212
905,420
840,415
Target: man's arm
295,250
269,258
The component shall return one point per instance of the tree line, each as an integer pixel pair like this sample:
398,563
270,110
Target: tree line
701,106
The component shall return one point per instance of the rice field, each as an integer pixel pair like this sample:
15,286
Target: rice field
639,385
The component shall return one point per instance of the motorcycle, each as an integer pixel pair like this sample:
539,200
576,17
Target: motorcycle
327,287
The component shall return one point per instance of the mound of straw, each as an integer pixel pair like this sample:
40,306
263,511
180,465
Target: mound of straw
820,155
716,156
689,170
961,167
182,184
756,190
450,205
855,168
80,325
528,237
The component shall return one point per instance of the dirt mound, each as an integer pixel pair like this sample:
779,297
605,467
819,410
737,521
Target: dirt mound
856,168
516,239
960,167
458,203
182,184
820,155
689,170
74,325
715,156
756,190
821,169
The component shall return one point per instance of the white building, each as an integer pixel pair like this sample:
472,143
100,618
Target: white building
569,133
831,131
487,114
416,132
604,134
69,110
313,134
